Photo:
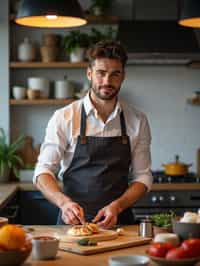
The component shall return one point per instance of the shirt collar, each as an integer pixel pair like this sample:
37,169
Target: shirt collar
89,107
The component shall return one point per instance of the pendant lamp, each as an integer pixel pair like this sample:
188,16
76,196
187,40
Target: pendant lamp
50,14
190,13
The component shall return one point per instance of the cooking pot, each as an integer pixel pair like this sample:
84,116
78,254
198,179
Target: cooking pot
176,168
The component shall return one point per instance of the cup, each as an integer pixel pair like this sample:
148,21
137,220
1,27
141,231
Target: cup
134,260
63,89
18,92
44,247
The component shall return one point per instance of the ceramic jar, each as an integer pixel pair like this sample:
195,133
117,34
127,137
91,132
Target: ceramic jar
63,89
26,51
39,83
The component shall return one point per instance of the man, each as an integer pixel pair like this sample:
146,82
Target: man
97,140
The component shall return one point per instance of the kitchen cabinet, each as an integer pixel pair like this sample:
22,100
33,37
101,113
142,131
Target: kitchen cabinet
35,209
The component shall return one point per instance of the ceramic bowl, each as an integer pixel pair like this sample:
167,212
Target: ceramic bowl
33,94
3,221
14,258
186,230
44,247
165,262
134,260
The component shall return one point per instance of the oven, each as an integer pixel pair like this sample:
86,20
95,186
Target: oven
178,201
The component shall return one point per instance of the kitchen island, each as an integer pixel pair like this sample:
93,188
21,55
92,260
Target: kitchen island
100,259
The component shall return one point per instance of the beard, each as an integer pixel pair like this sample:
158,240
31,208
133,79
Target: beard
106,92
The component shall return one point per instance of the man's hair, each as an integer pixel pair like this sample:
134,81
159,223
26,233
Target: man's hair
107,49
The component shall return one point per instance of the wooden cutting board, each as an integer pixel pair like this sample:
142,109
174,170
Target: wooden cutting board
127,240
103,235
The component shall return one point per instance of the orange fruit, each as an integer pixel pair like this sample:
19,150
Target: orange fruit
12,237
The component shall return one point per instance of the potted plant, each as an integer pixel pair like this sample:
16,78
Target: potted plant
9,159
75,44
98,7
162,222
96,35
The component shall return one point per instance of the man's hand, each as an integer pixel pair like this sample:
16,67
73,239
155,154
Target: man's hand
72,213
107,217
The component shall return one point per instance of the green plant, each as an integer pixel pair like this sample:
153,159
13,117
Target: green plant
9,159
163,219
75,39
97,35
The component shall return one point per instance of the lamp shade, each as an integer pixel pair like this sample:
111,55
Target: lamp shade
190,14
50,14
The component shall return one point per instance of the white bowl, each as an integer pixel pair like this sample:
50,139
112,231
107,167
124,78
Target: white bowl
134,260
44,247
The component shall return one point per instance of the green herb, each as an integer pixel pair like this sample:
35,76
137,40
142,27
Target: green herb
163,219
87,242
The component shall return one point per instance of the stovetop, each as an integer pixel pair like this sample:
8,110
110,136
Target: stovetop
161,177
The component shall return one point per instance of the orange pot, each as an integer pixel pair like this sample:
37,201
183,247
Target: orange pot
176,168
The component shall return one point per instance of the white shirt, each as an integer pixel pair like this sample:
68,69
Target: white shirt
64,128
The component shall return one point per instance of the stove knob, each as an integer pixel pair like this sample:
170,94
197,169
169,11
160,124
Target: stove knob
153,198
172,198
161,198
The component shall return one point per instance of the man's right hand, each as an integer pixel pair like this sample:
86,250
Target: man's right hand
72,213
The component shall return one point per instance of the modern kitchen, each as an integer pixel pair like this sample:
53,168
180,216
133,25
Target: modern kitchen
40,76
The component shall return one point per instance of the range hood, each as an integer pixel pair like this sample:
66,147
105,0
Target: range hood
158,42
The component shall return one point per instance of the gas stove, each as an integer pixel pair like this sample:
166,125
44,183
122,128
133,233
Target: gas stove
161,177
166,200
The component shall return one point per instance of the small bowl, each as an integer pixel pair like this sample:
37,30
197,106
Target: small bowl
33,94
134,260
14,257
44,247
186,230
3,221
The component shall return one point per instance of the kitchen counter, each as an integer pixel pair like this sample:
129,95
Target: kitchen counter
7,190
101,259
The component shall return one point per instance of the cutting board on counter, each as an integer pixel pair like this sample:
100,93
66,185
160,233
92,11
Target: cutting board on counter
124,241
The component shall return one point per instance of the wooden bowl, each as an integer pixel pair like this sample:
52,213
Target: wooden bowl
165,262
14,258
33,94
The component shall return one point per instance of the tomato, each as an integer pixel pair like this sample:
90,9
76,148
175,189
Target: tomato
176,253
169,245
157,249
192,247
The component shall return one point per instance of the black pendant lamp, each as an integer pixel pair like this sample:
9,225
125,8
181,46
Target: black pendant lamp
50,14
190,13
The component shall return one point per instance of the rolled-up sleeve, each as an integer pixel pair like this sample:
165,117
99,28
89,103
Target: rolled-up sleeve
52,149
141,155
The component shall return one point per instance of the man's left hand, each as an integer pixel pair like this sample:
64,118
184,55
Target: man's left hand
107,217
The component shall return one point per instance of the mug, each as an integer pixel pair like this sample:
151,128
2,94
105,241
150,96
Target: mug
18,92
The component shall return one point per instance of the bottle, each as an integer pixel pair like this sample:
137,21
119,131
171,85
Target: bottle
26,50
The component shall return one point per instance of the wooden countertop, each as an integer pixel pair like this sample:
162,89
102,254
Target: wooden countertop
7,190
100,259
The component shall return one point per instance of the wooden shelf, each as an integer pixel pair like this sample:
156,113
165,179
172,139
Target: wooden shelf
48,65
194,101
42,101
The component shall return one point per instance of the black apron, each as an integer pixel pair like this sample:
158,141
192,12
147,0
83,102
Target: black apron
98,173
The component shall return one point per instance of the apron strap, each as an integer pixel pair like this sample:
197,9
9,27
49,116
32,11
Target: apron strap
83,137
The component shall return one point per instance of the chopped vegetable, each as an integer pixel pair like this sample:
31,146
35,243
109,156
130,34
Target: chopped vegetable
87,242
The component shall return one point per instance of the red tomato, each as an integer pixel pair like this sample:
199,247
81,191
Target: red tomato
157,249
192,247
169,245
176,253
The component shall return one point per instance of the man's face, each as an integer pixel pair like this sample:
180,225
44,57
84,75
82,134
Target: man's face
106,76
